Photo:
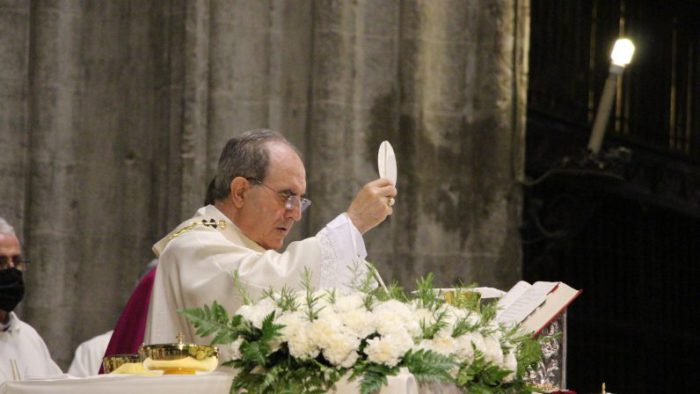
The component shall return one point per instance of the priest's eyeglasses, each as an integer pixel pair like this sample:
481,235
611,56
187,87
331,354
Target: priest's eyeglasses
290,199
13,261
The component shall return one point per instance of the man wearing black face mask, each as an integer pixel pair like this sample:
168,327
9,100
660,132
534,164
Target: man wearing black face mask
23,354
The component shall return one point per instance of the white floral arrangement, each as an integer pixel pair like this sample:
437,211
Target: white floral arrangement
306,341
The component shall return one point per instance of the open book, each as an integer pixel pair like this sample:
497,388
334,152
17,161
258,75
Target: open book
534,306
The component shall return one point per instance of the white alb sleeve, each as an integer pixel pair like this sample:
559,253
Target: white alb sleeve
343,254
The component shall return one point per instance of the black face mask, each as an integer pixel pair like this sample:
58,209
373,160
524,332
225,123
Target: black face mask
11,288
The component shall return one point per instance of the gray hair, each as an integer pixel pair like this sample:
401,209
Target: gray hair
246,156
5,228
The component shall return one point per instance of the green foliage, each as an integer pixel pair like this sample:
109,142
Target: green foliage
488,311
288,376
241,289
269,329
528,355
368,300
394,292
287,300
367,282
307,281
480,376
464,326
215,320
429,330
269,293
257,346
425,365
311,300
332,295
426,294
254,352
358,274
374,376
429,366
373,273
483,377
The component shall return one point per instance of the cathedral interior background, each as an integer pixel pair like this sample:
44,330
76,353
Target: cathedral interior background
623,225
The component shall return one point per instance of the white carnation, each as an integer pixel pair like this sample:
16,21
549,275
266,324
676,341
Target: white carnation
477,340
234,349
452,314
295,333
442,344
359,321
464,350
493,351
457,314
510,363
321,331
257,313
425,316
349,303
350,360
394,316
388,349
335,339
342,349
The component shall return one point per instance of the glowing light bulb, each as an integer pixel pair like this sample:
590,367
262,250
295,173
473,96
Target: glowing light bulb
622,52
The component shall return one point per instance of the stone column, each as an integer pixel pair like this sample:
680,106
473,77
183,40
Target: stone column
445,83
88,221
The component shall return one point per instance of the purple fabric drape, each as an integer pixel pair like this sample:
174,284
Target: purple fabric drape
130,328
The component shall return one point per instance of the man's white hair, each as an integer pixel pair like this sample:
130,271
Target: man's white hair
5,228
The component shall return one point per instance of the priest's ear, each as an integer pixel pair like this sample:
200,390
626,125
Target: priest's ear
239,185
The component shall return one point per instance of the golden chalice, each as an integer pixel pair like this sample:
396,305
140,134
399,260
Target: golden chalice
113,362
179,358
461,297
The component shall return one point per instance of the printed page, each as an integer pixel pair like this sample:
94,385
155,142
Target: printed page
513,294
526,303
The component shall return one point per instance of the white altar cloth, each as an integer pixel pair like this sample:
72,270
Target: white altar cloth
213,383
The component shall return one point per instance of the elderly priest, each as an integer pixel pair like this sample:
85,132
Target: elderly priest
258,195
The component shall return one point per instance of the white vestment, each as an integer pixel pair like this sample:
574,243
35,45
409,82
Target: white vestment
22,346
88,356
197,261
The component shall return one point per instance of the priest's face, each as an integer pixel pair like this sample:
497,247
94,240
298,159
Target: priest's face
266,217
9,250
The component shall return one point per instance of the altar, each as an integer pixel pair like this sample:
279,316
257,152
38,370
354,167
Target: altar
212,383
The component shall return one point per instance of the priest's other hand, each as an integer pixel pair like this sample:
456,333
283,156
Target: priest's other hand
372,204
